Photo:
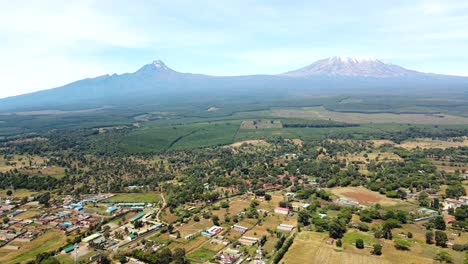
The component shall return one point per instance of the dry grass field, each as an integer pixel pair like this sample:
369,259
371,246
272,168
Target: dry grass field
363,195
426,143
363,118
248,142
310,247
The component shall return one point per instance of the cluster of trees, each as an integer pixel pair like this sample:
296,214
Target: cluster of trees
163,256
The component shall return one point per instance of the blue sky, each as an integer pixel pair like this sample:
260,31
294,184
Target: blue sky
45,44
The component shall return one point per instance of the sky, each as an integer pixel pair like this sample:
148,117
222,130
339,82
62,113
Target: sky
47,43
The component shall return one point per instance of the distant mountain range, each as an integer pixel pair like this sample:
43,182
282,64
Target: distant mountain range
156,83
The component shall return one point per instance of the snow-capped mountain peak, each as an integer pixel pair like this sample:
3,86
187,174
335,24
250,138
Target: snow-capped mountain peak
352,66
160,65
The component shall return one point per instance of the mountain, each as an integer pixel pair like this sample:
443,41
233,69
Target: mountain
353,66
158,84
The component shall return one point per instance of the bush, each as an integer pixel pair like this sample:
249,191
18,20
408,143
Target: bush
339,243
359,243
401,244
460,247
377,250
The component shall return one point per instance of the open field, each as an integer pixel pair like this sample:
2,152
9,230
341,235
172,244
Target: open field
144,197
20,193
260,123
310,247
426,143
248,142
363,195
49,241
363,118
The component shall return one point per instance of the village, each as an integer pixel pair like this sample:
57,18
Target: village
241,229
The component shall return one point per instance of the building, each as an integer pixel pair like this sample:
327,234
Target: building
464,200
69,249
285,227
282,210
91,237
138,216
248,241
452,203
240,229
112,209
228,256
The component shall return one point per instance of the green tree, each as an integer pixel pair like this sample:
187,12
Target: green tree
336,228
439,222
444,257
359,243
441,238
377,250
429,237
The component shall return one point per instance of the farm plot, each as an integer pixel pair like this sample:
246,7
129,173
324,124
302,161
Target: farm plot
365,118
363,195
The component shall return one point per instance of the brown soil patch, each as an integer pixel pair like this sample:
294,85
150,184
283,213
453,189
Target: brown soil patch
248,142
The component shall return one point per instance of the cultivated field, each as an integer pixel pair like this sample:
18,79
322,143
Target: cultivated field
363,118
260,124
362,195
144,197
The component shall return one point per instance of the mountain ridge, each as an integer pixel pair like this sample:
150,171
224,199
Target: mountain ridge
158,83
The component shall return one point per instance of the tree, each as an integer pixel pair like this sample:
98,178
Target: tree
9,192
441,238
336,228
377,250
339,243
444,257
439,222
179,256
429,237
267,197
303,218
6,220
359,243
455,191
215,220
410,235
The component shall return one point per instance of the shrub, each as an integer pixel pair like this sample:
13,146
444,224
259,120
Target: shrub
359,243
377,250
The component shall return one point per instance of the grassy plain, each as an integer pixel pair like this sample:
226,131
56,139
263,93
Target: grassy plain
49,241
143,197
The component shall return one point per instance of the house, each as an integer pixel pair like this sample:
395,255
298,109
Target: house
330,241
464,199
285,227
452,203
112,209
449,219
296,206
282,210
228,256
322,215
240,229
248,241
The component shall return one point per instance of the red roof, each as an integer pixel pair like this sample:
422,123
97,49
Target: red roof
282,209
449,219
453,201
